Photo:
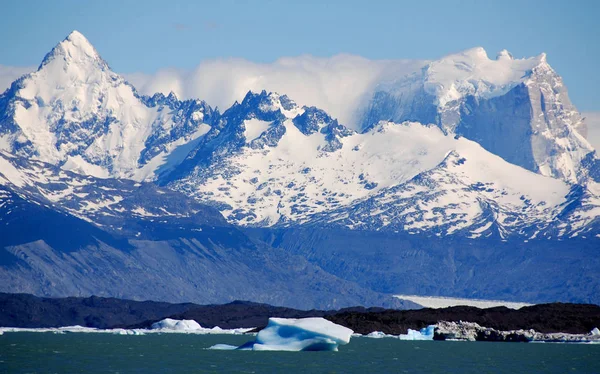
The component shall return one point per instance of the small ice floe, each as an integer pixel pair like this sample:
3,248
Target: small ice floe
290,334
378,335
224,347
425,333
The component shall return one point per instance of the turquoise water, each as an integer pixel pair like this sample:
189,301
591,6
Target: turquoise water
175,353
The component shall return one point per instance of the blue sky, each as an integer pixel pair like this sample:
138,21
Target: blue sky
136,36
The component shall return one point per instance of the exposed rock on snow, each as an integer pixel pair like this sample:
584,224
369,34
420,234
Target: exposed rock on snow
267,161
76,113
518,109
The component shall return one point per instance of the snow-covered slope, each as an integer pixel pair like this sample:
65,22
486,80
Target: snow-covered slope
121,206
461,168
75,112
395,177
518,109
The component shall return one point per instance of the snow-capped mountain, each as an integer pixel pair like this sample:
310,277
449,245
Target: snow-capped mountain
473,161
269,162
65,234
76,113
399,177
518,109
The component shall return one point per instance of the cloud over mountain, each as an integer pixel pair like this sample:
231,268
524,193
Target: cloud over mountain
592,120
336,84
9,74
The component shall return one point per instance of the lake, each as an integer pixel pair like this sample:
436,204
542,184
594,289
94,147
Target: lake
179,353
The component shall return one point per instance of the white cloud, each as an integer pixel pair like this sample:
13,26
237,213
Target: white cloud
592,119
336,84
9,74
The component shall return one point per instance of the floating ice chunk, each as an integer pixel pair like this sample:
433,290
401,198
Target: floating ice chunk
425,333
304,334
223,347
178,325
378,334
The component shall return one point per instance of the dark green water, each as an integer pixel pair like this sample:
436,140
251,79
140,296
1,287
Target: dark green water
175,353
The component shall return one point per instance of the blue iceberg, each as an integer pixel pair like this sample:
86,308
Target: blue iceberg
290,334
425,333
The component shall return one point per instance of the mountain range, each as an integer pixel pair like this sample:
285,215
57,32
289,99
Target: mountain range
471,177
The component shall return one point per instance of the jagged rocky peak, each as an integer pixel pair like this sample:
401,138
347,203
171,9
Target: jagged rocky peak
312,120
270,102
76,113
171,100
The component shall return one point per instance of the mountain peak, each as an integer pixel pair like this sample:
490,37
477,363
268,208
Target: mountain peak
504,55
77,37
542,58
75,48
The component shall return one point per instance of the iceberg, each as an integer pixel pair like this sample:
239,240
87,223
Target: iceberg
378,335
425,333
178,325
291,334
189,326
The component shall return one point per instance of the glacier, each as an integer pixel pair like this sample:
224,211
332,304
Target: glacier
291,334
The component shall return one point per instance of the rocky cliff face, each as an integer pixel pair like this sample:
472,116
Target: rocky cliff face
517,109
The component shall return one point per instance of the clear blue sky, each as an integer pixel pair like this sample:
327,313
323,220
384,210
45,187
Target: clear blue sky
148,35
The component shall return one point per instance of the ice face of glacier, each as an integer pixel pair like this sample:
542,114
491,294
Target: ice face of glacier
304,334
76,113
518,109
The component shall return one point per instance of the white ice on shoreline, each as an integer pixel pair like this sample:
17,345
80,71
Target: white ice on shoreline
167,325
425,333
470,331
